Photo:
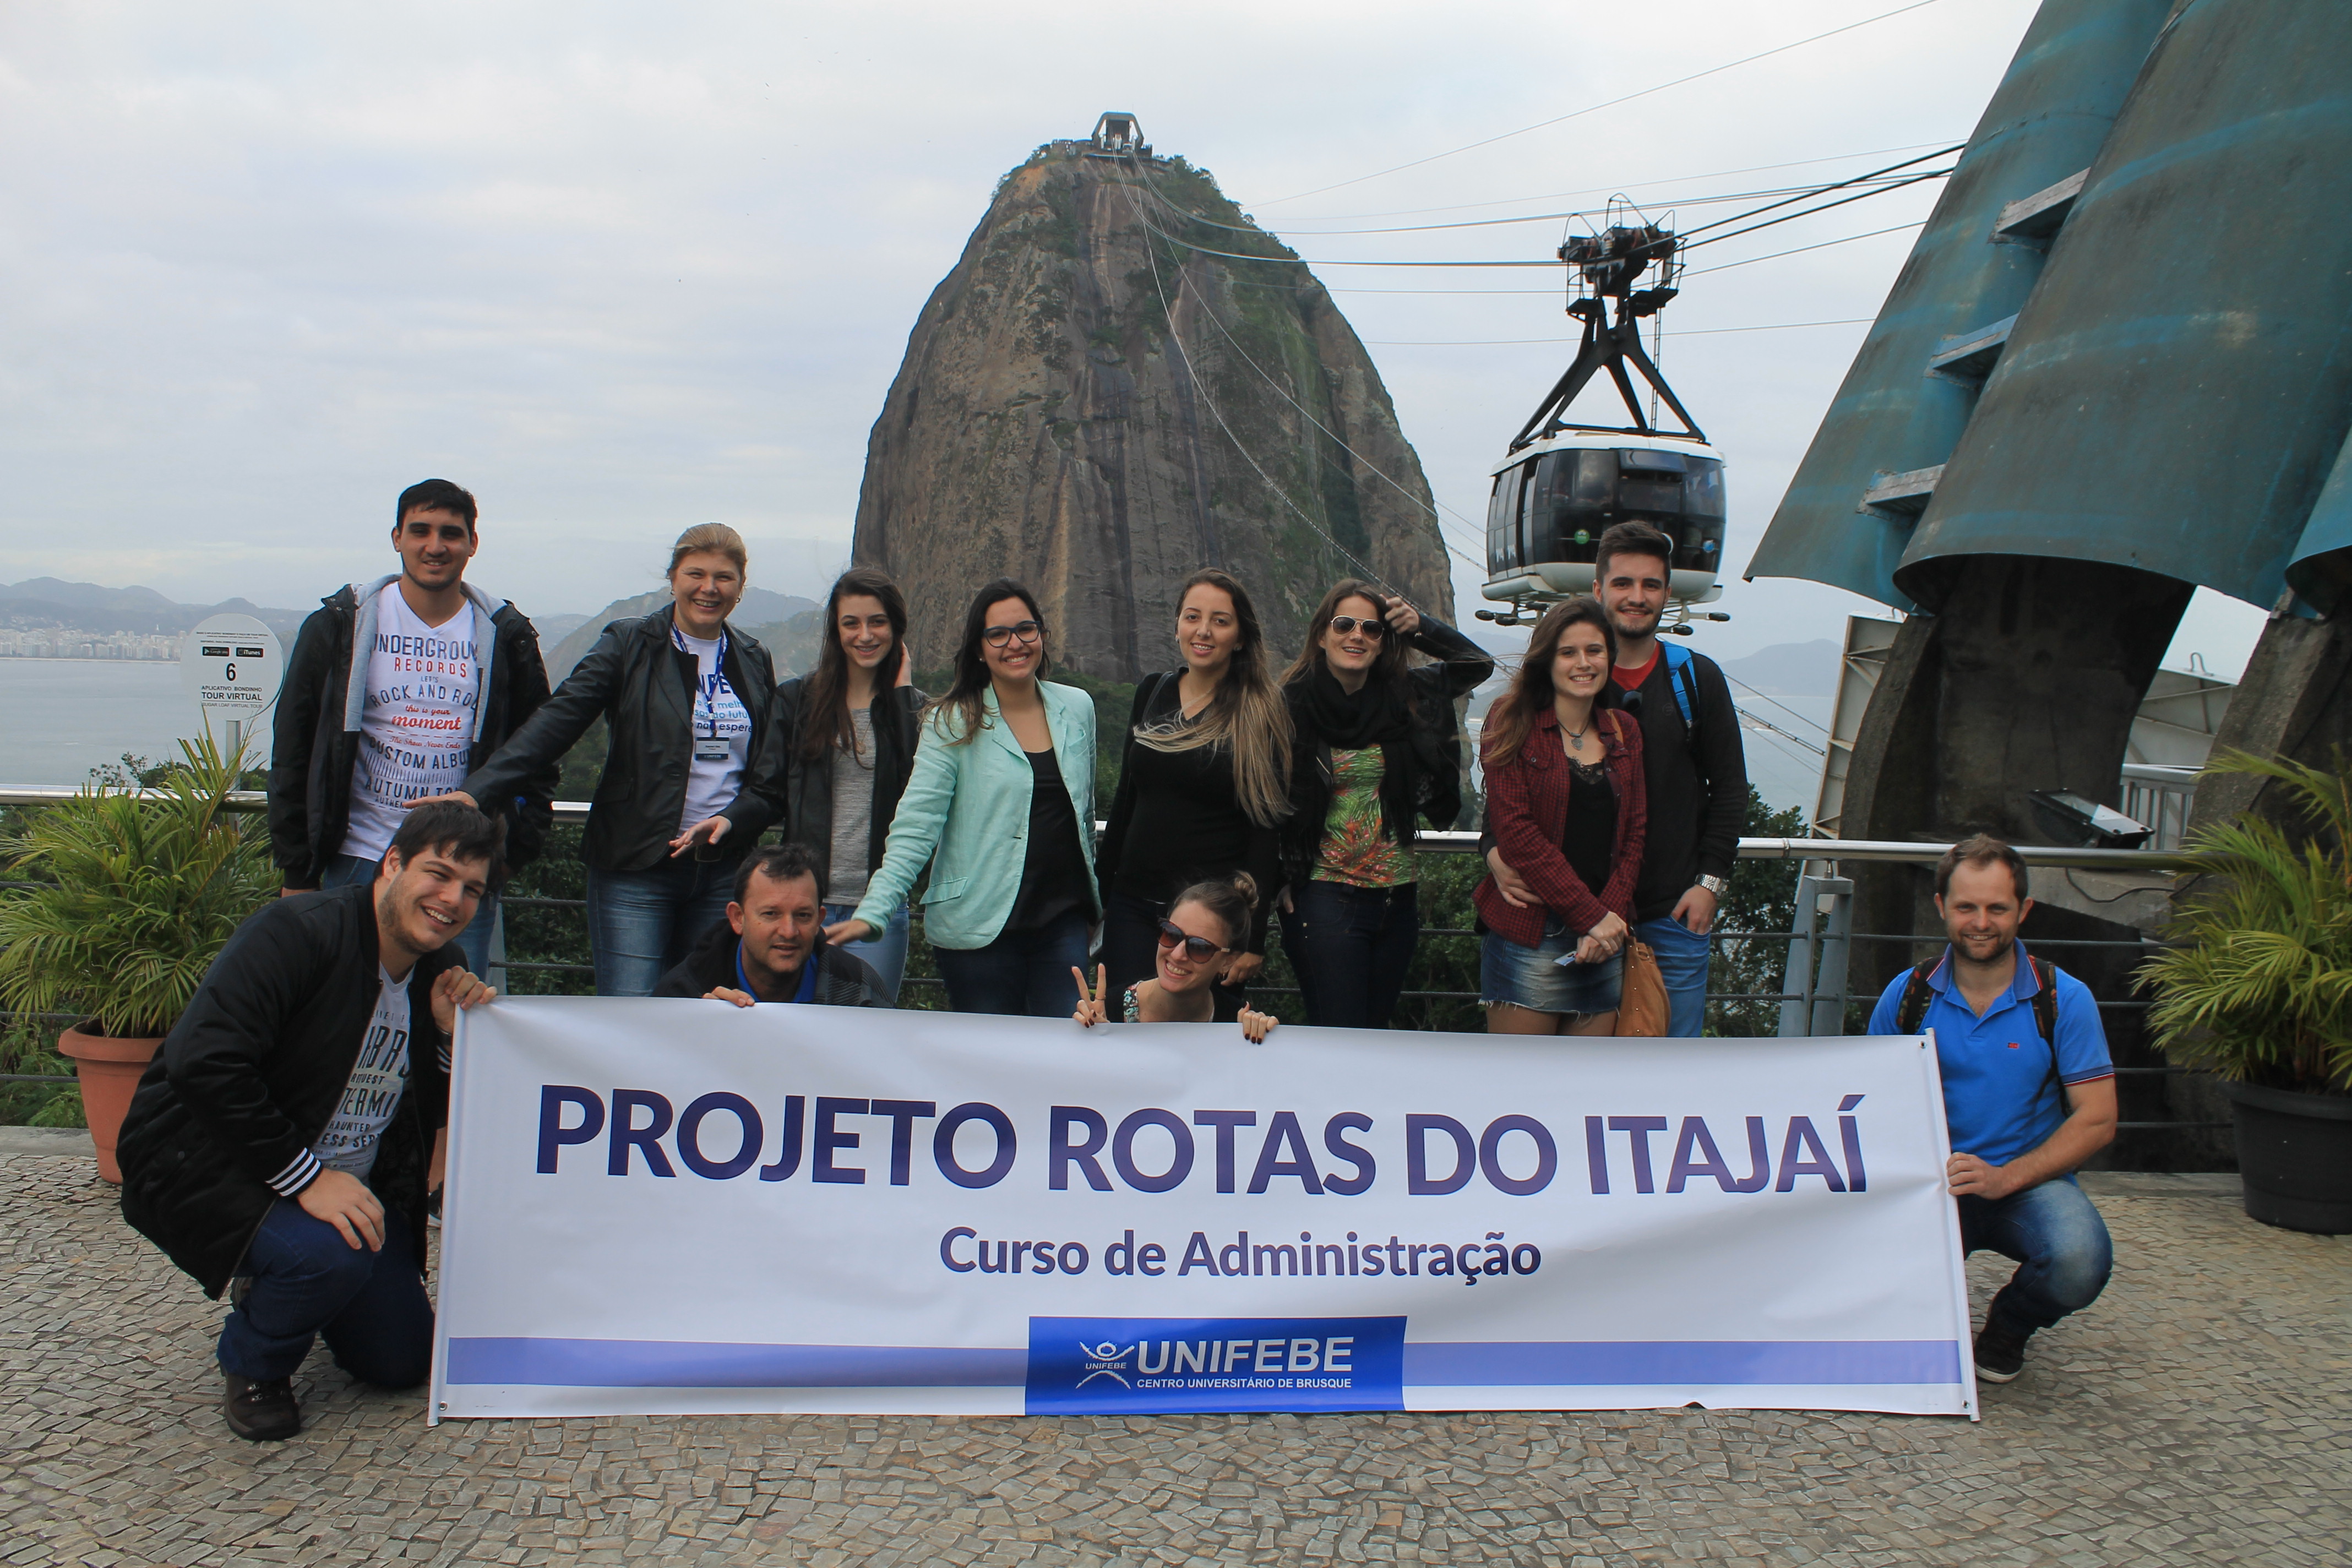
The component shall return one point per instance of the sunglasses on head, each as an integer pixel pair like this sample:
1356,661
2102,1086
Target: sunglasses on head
1372,624
997,637
1199,949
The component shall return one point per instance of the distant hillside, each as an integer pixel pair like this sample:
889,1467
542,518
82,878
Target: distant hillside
1789,669
764,614
43,601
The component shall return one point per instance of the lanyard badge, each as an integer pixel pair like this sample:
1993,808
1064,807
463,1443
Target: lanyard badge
710,745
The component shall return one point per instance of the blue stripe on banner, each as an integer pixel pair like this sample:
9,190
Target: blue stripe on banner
671,1364
1635,1362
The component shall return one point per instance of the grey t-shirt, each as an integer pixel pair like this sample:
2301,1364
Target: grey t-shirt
853,814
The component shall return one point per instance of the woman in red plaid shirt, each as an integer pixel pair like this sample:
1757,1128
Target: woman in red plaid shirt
1565,804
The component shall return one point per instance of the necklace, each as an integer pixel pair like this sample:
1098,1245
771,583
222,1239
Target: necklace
1576,737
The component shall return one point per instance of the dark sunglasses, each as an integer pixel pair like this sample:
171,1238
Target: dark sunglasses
1374,627
1199,949
997,637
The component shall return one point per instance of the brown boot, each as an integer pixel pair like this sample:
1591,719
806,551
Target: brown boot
261,1410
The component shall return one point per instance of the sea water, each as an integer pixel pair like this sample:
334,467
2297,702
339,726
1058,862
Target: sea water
60,717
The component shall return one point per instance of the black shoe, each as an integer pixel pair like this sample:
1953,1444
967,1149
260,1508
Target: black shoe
2000,1356
262,1410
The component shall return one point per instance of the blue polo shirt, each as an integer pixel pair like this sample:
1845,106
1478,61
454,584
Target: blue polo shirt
805,992
2000,1077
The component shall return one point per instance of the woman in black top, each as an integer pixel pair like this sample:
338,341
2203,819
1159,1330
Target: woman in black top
1204,784
849,737
1377,748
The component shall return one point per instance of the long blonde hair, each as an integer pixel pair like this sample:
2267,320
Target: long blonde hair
1247,715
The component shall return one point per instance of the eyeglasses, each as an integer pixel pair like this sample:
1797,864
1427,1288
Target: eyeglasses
1373,627
1199,949
997,637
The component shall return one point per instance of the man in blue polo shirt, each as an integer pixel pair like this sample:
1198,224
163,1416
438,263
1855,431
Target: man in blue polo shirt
770,946
2029,1096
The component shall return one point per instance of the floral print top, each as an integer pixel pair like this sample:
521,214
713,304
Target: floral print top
1356,849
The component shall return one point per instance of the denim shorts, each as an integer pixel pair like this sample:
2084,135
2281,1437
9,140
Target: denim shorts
1533,978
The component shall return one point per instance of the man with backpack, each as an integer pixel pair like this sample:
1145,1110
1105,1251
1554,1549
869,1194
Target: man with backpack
2029,1096
1694,770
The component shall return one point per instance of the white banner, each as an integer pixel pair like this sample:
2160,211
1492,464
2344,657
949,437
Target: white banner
679,1207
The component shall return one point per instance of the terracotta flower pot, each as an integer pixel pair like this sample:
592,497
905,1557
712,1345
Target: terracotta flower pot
108,1070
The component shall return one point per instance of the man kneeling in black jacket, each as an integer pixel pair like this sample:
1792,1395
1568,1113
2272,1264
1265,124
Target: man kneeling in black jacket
284,1132
772,947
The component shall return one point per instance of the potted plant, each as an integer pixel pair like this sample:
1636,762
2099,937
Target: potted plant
2259,991
138,890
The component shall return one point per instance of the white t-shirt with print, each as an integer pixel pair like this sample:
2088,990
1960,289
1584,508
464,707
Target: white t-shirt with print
722,734
417,725
373,1091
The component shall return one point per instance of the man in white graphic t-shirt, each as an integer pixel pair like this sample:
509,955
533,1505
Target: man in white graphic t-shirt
397,690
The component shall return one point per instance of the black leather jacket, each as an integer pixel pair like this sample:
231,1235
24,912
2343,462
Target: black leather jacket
842,979
643,683
808,785
250,1075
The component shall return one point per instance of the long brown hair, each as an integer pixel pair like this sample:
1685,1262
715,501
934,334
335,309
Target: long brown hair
971,682
827,694
1512,720
1388,666
1246,715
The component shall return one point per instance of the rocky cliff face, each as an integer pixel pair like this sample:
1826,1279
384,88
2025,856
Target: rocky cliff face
1092,406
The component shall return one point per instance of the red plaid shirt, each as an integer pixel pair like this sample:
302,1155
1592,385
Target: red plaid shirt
1527,808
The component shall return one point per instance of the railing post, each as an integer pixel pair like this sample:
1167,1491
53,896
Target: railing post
1828,992
1797,983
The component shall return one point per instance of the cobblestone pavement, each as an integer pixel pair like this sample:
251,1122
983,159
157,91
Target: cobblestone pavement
2200,1413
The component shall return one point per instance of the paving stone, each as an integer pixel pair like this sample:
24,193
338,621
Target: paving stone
2197,1413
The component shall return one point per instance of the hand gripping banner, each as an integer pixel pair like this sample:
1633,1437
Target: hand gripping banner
681,1206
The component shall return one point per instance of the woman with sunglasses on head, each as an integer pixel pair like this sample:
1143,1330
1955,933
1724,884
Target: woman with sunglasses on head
1000,804
1206,924
1565,802
1376,749
692,775
849,732
1203,786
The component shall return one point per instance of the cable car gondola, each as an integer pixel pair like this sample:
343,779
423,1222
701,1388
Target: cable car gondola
1565,481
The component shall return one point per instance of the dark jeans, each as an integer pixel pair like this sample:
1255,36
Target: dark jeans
1130,953
309,1281
473,941
1021,972
642,924
1349,947
2055,1232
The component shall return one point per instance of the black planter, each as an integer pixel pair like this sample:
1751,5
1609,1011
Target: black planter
2295,1155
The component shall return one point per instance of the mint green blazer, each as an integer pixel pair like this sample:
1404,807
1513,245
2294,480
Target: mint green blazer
965,813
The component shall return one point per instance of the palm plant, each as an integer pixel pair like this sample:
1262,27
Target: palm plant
137,895
2258,987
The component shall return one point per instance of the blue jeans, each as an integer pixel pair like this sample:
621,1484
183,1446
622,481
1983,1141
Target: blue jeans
642,924
1349,947
1021,972
887,953
309,1281
1681,955
2055,1232
473,941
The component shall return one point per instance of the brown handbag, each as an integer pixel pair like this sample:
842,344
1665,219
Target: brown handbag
1641,999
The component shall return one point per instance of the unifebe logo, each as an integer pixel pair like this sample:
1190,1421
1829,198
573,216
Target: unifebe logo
1145,1365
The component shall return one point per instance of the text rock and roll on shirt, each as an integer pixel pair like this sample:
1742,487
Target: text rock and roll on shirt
416,724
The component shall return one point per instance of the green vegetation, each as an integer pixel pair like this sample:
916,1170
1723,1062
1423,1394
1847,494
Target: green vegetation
2258,987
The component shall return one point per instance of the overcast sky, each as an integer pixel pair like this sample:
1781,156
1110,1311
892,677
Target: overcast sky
621,268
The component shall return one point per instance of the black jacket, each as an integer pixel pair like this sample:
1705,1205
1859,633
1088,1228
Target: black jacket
312,754
1421,777
641,681
808,787
842,979
250,1075
1696,781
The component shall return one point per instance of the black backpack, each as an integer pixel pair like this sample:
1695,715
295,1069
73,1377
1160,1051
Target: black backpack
1911,1011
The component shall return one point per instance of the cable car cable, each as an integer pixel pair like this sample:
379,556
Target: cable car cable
1775,255
1783,707
1611,103
1824,190
1515,343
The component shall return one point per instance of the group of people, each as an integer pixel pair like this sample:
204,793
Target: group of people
287,1138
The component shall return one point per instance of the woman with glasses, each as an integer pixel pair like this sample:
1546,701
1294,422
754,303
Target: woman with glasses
1376,749
1206,923
1204,787
1000,804
849,732
692,774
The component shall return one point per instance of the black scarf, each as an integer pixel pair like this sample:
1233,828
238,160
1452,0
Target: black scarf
1379,713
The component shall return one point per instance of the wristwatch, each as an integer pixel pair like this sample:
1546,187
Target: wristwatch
1715,885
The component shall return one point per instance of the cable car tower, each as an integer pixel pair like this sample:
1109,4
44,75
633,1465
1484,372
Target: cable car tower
1564,480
